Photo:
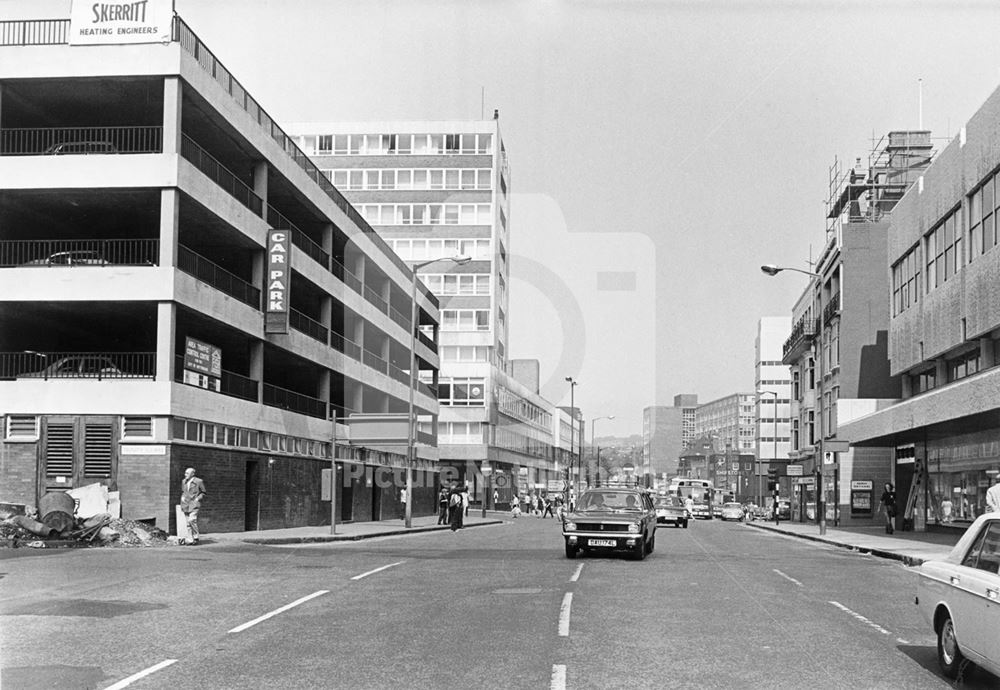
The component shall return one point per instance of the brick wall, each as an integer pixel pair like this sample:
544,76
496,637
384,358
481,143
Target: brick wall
18,467
143,481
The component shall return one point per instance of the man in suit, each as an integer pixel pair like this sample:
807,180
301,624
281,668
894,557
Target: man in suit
192,491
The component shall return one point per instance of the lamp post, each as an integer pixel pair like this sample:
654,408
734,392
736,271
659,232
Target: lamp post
760,492
772,270
572,434
411,426
593,423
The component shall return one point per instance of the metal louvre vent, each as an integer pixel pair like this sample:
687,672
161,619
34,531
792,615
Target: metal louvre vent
137,427
59,449
97,450
22,426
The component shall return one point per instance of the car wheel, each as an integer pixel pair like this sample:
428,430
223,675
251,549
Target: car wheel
950,656
640,550
684,524
571,551
651,544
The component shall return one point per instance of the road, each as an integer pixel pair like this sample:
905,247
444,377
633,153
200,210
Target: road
716,605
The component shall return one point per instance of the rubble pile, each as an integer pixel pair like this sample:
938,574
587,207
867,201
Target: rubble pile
89,516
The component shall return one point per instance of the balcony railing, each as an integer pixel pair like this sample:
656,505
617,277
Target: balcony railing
231,384
832,309
802,334
221,175
31,365
80,140
301,322
295,402
34,32
218,277
341,344
431,345
54,253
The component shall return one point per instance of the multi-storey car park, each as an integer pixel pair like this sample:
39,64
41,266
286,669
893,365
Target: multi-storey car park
180,285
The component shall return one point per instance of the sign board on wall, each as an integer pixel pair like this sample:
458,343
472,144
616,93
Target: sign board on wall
103,23
202,358
276,283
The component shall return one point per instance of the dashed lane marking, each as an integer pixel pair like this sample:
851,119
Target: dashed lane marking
787,577
861,618
377,570
567,603
576,575
558,681
141,674
255,621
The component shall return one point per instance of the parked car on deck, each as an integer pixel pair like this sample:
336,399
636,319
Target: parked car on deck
81,148
78,366
959,597
611,520
71,258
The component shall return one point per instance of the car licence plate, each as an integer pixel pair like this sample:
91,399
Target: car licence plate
600,542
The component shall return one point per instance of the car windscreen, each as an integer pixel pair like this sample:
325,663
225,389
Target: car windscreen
609,501
669,502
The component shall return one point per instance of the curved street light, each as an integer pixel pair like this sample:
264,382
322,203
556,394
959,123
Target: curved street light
772,270
411,426
573,383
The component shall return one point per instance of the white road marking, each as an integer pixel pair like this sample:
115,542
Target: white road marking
567,602
861,618
377,570
790,579
141,674
255,621
576,575
558,677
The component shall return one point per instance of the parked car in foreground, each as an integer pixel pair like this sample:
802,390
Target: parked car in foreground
71,258
732,511
81,148
670,510
78,366
959,597
611,520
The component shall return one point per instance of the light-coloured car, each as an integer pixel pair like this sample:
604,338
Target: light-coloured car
959,597
670,510
732,511
78,367
71,258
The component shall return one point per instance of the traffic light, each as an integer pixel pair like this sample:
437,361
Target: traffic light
772,478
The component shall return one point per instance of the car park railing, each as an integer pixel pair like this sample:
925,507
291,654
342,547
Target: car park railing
34,32
31,364
201,268
33,141
232,384
221,175
295,402
134,252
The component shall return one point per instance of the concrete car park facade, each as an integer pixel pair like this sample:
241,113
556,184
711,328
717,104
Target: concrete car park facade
243,308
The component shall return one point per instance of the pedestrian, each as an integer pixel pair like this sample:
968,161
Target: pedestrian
993,495
402,503
443,506
192,492
888,504
515,506
548,507
465,503
455,510
946,508
496,498
536,505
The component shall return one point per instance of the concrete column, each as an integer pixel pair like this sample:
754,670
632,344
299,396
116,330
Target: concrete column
323,386
940,372
326,311
257,367
166,325
172,106
907,386
260,182
327,240
986,359
170,204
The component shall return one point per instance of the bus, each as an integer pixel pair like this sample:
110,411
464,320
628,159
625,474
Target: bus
700,491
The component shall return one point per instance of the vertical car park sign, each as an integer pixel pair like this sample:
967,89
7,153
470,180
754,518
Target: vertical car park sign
276,283
103,23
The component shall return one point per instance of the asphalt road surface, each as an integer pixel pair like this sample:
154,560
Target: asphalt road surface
717,605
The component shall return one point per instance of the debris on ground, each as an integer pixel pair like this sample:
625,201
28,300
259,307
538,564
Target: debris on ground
64,524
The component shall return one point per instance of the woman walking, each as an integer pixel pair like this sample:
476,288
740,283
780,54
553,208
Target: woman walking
888,502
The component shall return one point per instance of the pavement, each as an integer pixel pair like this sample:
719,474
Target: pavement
912,548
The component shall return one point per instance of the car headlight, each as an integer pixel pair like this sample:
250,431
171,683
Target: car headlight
569,526
633,528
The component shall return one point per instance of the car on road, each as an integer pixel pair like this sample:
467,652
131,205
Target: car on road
611,520
784,509
732,511
670,510
77,367
959,597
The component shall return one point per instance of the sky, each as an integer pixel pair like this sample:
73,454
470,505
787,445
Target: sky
660,152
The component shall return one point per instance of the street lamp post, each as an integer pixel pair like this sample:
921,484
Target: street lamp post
760,491
593,423
772,270
572,434
411,426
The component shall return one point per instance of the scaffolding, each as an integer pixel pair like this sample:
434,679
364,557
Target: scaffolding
869,194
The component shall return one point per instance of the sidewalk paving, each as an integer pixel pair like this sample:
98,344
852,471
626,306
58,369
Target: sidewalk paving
912,548
351,531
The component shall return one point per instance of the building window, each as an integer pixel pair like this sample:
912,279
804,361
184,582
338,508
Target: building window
943,250
923,381
462,392
982,218
963,365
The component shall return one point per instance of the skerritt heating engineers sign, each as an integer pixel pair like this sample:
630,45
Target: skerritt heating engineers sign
142,21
